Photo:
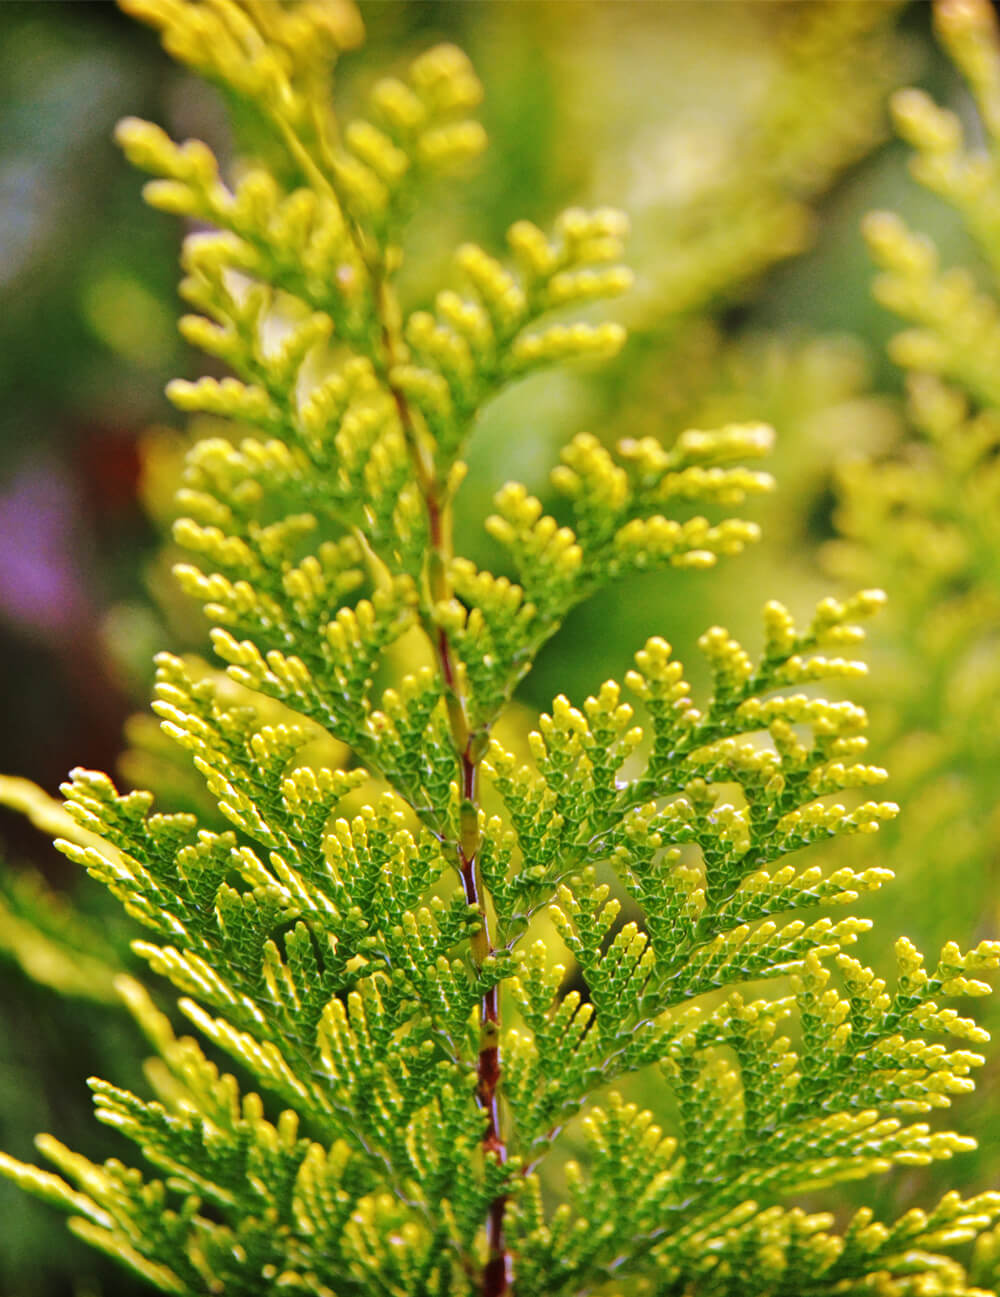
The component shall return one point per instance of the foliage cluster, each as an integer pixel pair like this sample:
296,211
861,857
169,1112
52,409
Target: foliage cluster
444,962
923,519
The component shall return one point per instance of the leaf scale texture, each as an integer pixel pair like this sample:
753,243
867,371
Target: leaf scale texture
437,960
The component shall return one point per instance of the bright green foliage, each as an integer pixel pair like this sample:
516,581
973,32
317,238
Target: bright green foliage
924,520
374,945
53,944
957,332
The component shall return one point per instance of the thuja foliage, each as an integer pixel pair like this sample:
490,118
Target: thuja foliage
417,954
924,520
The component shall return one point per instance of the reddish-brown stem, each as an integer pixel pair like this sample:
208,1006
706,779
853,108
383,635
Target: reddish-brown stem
497,1277
497,1274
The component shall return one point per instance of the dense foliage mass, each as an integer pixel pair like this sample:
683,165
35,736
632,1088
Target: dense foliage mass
450,963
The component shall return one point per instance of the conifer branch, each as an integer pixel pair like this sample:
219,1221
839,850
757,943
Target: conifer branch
347,933
469,747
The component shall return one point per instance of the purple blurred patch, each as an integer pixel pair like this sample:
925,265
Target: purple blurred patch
41,579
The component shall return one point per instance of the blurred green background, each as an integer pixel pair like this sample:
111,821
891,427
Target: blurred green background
745,139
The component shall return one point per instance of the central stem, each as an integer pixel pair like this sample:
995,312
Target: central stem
497,1273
